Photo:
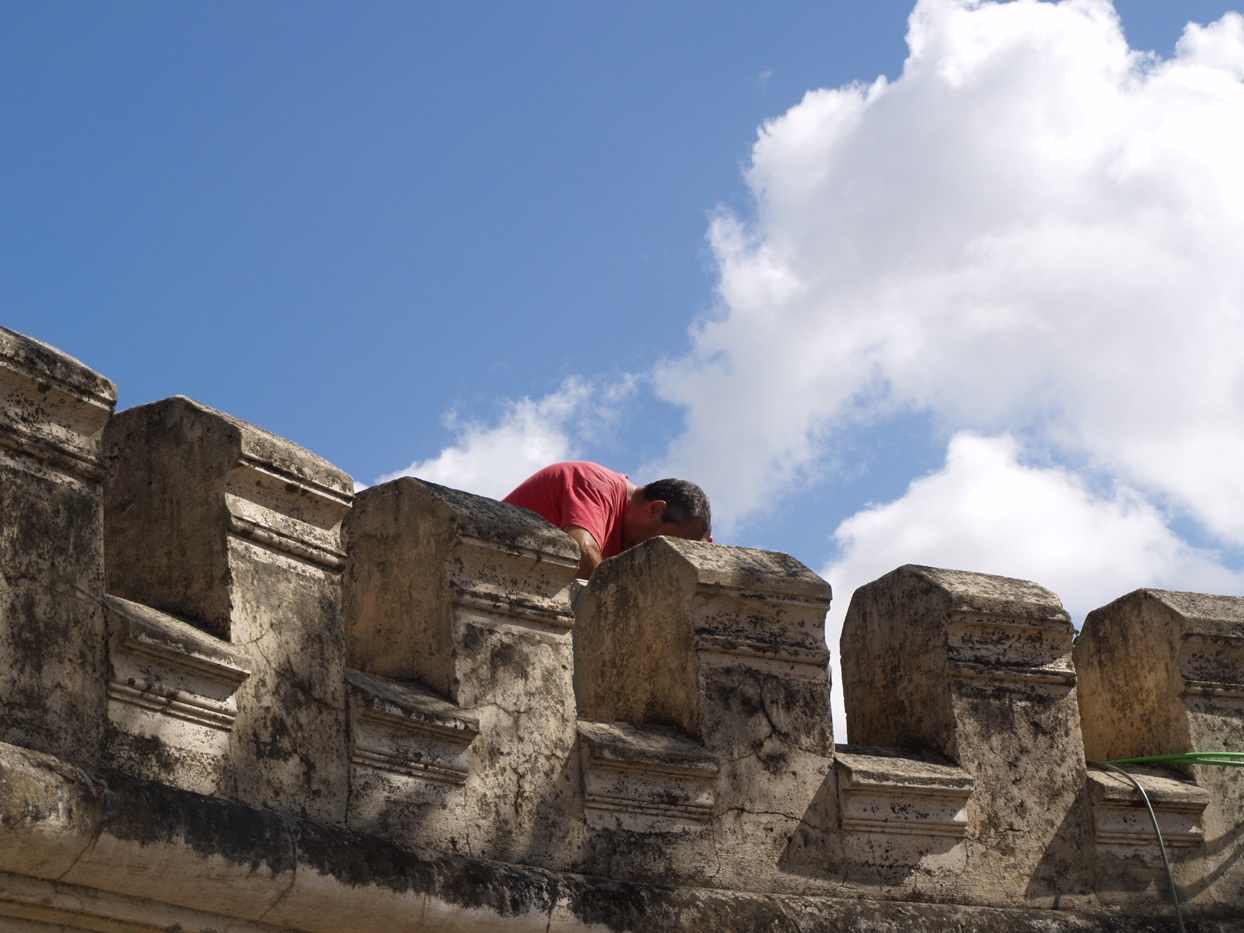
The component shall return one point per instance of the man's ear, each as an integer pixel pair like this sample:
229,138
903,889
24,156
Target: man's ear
657,509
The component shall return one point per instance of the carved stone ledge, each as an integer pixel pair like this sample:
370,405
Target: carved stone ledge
275,507
172,683
166,666
1210,657
901,793
1121,820
403,729
645,778
1020,653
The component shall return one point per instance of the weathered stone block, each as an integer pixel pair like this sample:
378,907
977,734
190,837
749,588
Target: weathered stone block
902,808
52,662
645,779
1161,673
727,646
1152,665
171,697
978,669
408,753
469,598
400,728
238,531
1121,822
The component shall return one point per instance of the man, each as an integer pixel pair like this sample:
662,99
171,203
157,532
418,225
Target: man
606,513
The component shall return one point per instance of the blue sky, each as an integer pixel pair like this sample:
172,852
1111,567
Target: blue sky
382,230
341,221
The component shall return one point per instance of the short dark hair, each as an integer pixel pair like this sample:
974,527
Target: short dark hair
684,502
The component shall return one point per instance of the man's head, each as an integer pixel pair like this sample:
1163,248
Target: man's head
670,507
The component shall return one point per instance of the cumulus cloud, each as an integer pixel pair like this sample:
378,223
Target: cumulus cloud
491,459
987,510
1033,230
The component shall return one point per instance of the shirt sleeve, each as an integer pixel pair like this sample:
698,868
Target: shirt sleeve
587,505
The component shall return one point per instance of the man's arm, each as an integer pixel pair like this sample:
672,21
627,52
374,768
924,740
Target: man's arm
589,551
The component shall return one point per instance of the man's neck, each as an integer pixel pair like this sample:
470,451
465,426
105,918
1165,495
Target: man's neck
633,493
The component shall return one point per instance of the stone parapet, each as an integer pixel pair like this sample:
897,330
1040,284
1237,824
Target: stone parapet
291,713
978,669
726,646
237,532
464,601
52,658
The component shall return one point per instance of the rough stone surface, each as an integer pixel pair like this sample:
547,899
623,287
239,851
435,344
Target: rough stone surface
52,414
725,645
238,531
1161,673
420,551
978,669
469,598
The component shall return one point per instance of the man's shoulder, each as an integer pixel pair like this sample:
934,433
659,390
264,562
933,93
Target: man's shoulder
574,479
596,473
582,472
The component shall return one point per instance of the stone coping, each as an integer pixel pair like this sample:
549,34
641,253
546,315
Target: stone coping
45,362
290,461
648,745
410,701
1204,614
990,595
1162,786
145,626
749,571
484,521
866,764
119,849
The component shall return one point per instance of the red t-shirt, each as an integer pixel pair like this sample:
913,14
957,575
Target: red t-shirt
578,493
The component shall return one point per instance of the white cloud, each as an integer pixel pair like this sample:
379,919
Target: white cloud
1033,230
490,460
987,511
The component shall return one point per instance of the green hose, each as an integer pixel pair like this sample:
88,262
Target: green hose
1221,759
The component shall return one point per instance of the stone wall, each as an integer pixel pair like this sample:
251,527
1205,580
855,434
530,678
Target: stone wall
238,696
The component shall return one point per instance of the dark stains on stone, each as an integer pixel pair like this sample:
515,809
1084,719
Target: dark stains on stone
262,841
